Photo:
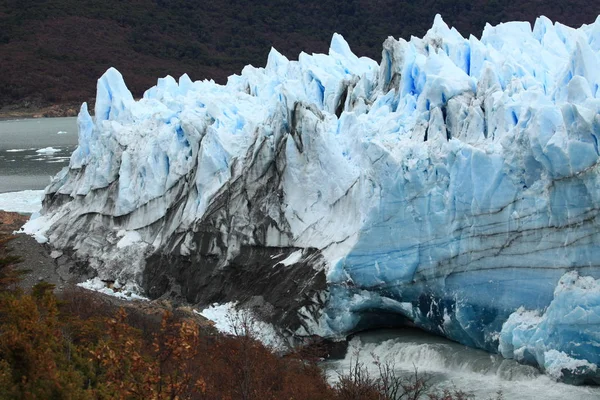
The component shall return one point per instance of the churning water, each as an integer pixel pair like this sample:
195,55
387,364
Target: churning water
452,365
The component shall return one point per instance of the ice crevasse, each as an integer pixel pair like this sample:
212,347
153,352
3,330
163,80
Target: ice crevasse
455,184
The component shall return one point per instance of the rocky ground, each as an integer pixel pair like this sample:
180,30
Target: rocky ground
43,264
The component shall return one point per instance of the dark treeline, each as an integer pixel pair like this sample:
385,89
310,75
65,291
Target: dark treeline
54,51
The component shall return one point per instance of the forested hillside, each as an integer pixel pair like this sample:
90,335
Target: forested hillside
53,51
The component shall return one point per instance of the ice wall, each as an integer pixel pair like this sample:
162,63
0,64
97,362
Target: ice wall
453,184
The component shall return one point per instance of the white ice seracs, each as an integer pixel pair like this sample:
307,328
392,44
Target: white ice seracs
453,183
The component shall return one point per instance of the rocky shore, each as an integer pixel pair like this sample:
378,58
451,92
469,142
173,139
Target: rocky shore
41,263
44,265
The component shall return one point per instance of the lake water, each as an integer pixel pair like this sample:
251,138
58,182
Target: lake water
22,166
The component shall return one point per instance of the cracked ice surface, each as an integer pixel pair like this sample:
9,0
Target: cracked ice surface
453,183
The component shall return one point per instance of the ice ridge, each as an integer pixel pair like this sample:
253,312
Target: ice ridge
454,183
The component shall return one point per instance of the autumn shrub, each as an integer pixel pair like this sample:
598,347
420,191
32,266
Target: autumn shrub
84,347
36,360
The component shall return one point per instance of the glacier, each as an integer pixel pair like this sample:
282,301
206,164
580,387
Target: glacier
454,185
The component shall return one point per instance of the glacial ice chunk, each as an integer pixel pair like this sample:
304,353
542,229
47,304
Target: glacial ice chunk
555,339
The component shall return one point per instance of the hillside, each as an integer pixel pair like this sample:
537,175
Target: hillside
54,51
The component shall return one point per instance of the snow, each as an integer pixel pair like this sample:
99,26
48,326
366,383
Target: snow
26,201
47,150
122,292
292,258
233,321
38,225
454,183
128,238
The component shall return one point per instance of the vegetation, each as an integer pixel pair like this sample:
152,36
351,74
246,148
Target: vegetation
9,274
53,52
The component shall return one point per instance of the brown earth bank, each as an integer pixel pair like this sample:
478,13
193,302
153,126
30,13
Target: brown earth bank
38,260
78,344
28,109
11,221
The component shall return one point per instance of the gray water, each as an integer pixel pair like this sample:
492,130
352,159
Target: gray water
451,365
21,167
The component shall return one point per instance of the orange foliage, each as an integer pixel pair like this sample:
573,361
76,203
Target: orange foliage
9,276
48,351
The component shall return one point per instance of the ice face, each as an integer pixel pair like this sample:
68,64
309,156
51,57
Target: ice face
533,337
453,184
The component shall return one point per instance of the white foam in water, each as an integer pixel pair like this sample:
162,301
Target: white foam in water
452,365
26,201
